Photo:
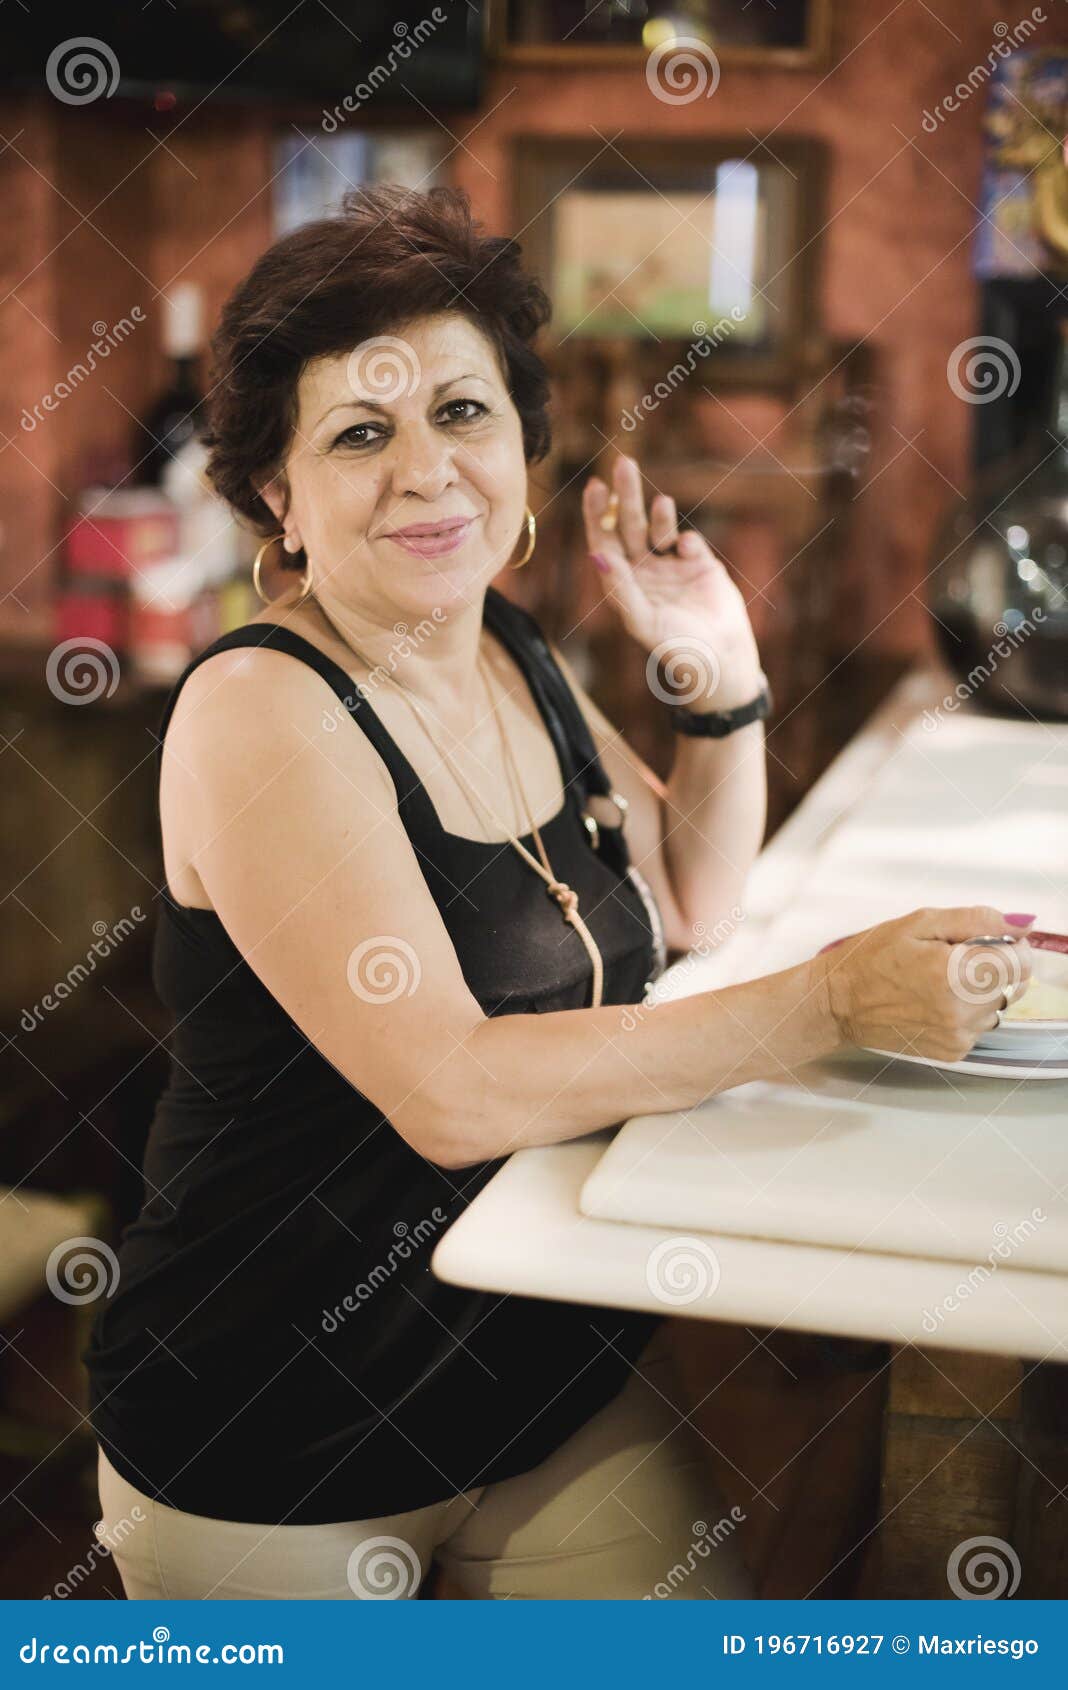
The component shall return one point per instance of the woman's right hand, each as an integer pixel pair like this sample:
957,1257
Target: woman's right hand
914,985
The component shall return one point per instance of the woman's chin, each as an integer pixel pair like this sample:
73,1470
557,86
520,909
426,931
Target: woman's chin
448,583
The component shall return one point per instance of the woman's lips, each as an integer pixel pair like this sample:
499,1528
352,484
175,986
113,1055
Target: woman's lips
434,541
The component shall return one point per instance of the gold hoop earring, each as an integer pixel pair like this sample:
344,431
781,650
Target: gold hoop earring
532,530
258,565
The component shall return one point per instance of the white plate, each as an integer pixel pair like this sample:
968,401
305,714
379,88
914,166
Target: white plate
1019,1048
1053,1029
992,1066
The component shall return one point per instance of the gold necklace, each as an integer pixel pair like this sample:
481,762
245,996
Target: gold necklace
564,895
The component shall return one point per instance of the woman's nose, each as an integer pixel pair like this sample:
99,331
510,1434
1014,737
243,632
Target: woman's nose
422,464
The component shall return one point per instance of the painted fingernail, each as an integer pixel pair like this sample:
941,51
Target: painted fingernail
1016,920
600,562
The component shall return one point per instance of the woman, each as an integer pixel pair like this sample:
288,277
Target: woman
375,999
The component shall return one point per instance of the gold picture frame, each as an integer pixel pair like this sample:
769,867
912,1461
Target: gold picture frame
814,55
547,170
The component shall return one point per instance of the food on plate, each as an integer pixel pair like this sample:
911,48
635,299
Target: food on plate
1041,1001
1045,998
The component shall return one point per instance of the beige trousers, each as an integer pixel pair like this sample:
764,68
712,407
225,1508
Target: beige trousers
626,1509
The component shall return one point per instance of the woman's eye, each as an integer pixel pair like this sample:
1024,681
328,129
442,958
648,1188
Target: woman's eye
366,433
477,409
345,437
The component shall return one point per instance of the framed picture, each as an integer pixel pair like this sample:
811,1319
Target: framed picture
312,172
676,240
790,34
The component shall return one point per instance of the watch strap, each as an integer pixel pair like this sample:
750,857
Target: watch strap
716,724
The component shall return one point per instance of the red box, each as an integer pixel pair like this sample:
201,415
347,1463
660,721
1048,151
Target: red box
120,534
95,616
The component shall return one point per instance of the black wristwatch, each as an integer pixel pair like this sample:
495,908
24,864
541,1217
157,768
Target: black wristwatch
716,724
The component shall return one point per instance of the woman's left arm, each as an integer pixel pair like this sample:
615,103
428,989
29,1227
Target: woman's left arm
695,838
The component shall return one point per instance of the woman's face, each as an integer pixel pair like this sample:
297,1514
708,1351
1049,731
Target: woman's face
407,430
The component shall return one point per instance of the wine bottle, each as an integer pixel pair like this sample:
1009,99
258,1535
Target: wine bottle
175,416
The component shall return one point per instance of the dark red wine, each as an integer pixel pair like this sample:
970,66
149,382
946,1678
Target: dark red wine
177,414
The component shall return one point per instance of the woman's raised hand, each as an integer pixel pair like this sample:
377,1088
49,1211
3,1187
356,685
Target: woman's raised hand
673,595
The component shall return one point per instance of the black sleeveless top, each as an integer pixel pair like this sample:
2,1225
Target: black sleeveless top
277,1348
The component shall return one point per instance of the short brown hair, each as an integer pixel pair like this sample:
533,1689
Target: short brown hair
390,255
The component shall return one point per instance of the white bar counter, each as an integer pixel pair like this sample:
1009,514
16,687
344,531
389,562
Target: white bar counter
931,803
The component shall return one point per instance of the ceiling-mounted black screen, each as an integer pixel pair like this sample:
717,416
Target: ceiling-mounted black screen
385,54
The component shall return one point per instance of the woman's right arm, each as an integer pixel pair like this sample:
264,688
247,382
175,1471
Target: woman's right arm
293,830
